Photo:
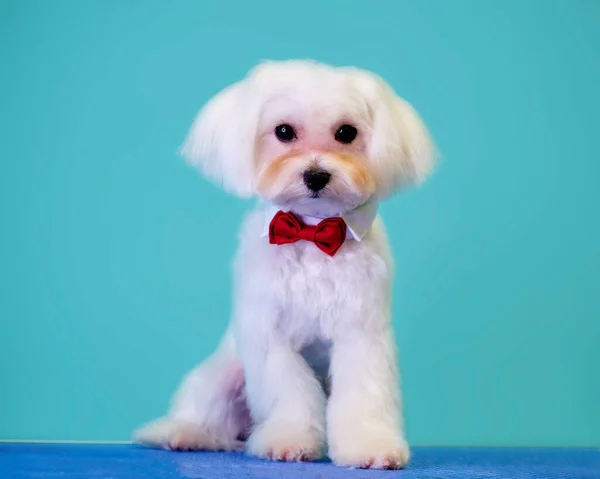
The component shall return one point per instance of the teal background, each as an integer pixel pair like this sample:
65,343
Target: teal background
112,284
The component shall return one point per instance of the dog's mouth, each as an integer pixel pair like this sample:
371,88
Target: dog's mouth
328,184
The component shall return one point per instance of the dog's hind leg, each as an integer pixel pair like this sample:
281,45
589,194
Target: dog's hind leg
209,411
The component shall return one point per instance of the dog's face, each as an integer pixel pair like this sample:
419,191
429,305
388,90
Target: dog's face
314,139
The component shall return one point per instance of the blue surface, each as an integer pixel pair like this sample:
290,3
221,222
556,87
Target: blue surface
130,462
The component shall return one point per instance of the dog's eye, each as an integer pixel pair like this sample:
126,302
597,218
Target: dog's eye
285,133
346,134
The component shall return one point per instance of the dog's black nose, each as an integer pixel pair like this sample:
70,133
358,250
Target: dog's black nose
316,180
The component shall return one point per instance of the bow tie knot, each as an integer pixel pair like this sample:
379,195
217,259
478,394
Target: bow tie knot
328,235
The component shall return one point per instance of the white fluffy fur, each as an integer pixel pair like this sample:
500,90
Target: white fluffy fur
309,359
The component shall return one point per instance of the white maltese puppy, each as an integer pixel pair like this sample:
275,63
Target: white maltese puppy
309,358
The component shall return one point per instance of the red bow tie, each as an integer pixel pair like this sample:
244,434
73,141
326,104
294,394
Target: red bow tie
328,235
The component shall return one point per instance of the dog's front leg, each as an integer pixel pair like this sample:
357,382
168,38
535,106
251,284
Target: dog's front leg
286,400
364,412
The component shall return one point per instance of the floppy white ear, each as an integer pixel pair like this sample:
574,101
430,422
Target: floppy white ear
400,146
220,142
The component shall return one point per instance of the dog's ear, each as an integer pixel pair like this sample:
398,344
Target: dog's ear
220,142
400,147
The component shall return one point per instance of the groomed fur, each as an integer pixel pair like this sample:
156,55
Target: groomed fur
309,359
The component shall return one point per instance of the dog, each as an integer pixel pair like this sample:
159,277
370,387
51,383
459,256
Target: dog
308,364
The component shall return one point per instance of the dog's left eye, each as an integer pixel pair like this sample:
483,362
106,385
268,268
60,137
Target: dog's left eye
346,134
285,133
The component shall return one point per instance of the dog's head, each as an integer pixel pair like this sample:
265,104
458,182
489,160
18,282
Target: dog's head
314,139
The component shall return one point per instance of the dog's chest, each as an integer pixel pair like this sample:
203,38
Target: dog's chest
316,292
308,293
312,280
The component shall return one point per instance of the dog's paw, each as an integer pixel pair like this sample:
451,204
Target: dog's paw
374,454
177,435
279,442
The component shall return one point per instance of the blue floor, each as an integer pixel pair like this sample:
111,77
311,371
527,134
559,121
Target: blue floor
45,461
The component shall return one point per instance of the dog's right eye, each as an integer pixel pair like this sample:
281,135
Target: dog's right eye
285,133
